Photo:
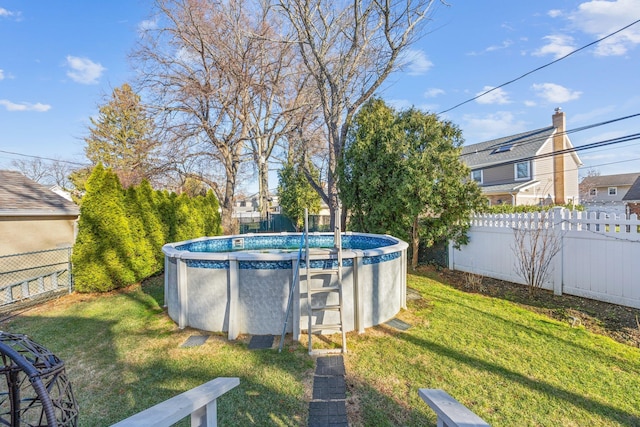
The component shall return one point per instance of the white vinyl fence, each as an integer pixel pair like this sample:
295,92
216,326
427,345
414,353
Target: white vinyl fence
599,258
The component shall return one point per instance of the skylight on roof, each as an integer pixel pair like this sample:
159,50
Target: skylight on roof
503,149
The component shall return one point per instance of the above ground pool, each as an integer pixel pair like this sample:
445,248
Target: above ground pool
240,284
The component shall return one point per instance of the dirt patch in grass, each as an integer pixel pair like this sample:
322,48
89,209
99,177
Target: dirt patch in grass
620,323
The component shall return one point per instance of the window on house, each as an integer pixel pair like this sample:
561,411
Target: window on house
243,204
593,192
613,191
522,170
476,175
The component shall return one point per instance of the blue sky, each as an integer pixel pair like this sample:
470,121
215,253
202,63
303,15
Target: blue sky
59,60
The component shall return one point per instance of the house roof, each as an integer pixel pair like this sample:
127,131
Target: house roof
20,196
634,191
610,180
509,148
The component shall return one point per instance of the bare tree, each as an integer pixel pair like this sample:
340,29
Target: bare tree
536,243
349,49
280,90
59,172
48,172
34,169
588,184
216,73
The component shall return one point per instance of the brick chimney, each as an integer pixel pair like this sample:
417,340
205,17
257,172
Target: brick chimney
558,120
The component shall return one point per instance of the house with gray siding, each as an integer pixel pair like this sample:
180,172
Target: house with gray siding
632,198
530,168
606,189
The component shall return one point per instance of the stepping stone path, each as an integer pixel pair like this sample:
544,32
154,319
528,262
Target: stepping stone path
328,403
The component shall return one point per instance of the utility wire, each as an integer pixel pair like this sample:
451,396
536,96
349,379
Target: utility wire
542,138
539,68
44,158
619,140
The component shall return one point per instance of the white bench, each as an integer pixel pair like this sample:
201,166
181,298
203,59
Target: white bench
451,413
199,403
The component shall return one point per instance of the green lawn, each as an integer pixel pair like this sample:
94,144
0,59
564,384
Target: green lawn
509,365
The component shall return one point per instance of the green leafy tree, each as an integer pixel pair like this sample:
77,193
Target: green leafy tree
295,193
121,137
401,174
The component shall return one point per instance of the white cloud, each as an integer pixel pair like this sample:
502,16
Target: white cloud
12,106
483,128
554,13
529,103
557,45
433,92
5,13
416,62
146,25
599,18
496,96
554,93
84,70
187,56
1,74
505,44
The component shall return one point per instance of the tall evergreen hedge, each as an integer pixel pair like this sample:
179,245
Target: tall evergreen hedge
121,232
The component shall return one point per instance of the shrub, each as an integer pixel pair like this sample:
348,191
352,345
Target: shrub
121,233
103,253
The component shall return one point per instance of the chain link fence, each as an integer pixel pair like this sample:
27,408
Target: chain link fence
34,275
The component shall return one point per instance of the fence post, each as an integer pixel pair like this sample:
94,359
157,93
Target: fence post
558,262
69,269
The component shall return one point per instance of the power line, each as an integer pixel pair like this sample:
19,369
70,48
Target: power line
626,138
578,168
540,68
44,158
568,132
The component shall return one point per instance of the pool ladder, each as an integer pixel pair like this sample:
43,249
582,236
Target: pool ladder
333,286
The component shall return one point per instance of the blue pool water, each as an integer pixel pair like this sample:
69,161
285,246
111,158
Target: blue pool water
283,243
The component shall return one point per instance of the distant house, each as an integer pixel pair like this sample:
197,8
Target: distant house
606,188
632,198
32,217
521,169
247,208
